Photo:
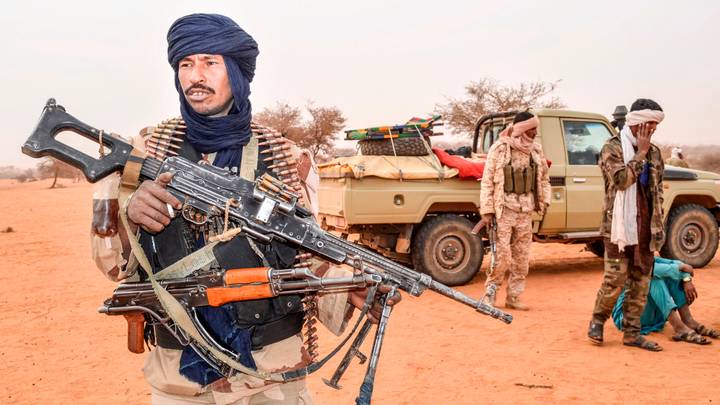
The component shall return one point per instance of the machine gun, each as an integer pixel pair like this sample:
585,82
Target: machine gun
265,210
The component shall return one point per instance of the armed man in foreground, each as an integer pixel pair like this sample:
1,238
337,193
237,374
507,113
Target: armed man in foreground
632,224
515,184
214,63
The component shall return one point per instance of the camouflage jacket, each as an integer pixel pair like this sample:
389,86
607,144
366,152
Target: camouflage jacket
619,176
492,193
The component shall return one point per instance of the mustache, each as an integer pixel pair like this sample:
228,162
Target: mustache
199,87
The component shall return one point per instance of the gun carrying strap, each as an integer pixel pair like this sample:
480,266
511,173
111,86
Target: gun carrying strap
130,179
177,312
250,157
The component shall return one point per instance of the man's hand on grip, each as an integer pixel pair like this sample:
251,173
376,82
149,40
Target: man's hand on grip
148,206
485,221
357,299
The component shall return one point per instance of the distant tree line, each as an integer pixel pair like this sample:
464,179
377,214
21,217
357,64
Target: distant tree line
47,168
317,127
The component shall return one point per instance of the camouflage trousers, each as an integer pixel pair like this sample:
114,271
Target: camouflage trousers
621,270
514,236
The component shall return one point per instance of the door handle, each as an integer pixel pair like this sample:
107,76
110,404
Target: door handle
579,180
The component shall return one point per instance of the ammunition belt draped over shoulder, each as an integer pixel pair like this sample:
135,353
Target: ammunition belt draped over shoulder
270,320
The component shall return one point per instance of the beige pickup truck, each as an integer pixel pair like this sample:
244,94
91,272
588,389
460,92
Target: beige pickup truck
426,222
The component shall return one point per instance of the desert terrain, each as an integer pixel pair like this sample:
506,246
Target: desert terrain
56,348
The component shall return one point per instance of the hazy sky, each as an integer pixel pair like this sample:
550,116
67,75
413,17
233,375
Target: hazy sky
379,62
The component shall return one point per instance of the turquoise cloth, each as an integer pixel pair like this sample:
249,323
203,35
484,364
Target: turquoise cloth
666,294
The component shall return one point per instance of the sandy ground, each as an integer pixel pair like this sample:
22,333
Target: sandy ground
58,350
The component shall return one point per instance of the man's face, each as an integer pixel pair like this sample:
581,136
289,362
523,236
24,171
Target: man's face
205,83
531,133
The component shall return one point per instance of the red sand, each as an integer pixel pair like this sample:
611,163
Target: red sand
58,350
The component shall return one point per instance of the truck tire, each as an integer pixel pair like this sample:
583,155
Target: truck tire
692,235
596,247
445,249
403,147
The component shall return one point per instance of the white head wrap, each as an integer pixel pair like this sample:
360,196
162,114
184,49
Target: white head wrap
676,152
643,116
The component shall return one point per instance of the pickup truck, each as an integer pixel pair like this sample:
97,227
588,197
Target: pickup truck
427,222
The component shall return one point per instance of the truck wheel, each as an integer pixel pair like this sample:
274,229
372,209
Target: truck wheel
692,235
445,249
403,147
596,247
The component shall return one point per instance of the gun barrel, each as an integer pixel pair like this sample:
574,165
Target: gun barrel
408,280
479,306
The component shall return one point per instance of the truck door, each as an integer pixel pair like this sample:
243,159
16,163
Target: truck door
549,137
585,188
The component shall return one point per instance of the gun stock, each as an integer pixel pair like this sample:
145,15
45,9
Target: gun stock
55,120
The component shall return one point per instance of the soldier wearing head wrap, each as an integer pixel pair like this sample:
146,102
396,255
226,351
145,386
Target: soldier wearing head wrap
677,158
632,224
515,184
214,63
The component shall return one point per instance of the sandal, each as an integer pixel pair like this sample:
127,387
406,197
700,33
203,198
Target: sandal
709,332
643,343
595,332
691,337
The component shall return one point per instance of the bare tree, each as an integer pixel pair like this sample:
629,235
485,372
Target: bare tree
319,132
282,117
488,95
50,167
316,133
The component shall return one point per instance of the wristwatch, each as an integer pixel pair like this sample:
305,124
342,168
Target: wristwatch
687,278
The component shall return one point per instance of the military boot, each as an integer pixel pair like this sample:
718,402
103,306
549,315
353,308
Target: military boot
514,303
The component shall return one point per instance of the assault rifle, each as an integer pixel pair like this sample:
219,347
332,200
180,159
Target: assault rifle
492,237
216,288
265,210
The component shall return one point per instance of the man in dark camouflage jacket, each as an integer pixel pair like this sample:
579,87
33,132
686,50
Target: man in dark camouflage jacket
632,225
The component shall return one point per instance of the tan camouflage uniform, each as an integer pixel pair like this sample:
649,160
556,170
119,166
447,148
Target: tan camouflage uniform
162,365
513,213
633,267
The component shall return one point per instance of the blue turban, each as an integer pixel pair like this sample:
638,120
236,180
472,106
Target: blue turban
218,35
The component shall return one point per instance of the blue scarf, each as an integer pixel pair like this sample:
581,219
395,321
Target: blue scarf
217,35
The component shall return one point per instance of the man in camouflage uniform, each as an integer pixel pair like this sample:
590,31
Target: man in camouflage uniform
632,224
515,184
214,62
